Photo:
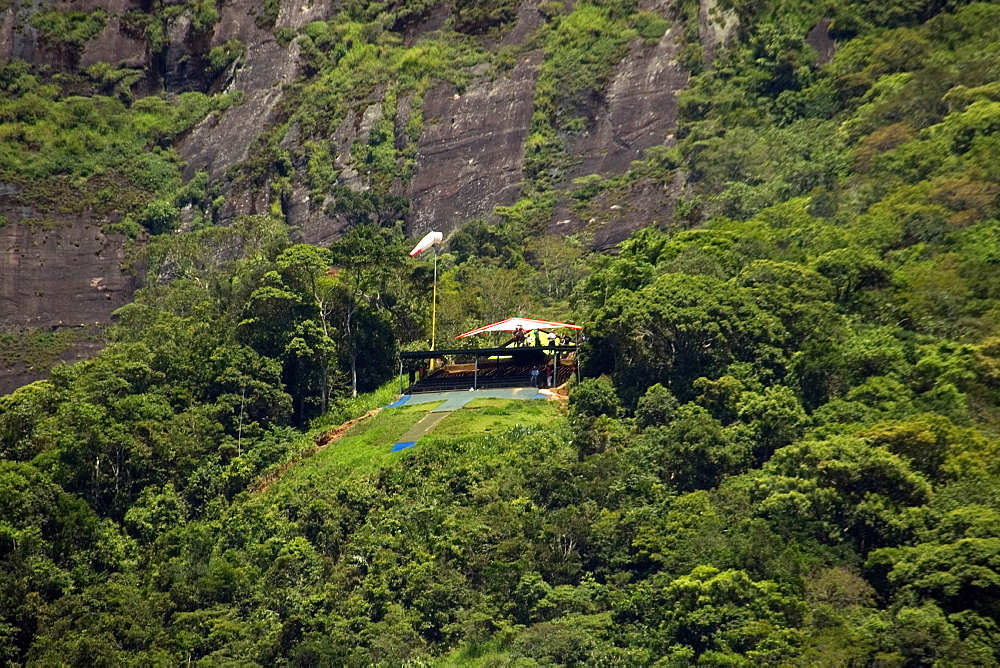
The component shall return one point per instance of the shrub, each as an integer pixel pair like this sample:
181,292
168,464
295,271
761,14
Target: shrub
656,407
593,398
204,16
70,29
224,55
159,217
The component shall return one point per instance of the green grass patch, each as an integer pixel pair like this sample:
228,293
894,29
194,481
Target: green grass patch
390,423
494,416
364,449
38,349
347,408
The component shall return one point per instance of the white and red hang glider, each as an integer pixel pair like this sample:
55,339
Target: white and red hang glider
429,240
527,324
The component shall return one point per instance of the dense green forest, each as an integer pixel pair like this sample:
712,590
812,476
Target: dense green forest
785,449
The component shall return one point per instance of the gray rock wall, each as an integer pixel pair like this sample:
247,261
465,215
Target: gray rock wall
69,276
67,279
470,157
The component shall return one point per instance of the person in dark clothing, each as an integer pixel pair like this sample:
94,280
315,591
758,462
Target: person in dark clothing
519,336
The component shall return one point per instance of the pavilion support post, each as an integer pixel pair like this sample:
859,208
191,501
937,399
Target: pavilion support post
475,375
555,370
400,375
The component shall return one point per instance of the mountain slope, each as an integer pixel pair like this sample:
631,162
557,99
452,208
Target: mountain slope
783,451
336,113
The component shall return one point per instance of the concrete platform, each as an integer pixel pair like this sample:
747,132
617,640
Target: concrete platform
451,401
455,400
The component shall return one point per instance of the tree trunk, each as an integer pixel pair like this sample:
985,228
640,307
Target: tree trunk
354,355
302,397
354,375
323,390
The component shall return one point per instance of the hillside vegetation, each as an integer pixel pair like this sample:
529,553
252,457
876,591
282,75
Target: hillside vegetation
785,449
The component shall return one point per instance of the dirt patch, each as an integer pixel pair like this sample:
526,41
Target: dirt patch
329,437
326,438
560,393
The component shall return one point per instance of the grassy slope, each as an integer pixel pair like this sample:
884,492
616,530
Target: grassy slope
365,448
483,416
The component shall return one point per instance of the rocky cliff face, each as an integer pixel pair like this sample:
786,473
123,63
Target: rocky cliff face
64,277
638,111
58,287
469,157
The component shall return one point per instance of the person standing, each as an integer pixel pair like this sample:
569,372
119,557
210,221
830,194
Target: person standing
534,376
548,375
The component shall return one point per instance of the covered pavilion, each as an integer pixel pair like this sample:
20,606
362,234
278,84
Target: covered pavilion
500,365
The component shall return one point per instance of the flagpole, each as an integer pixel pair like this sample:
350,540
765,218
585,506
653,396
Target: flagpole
434,301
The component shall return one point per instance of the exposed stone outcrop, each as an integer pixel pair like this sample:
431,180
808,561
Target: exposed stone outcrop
528,20
820,40
67,276
297,14
715,28
116,46
17,38
470,157
639,110
223,140
54,280
313,224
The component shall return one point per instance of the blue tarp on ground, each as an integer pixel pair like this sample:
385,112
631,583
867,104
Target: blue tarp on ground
399,402
403,446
